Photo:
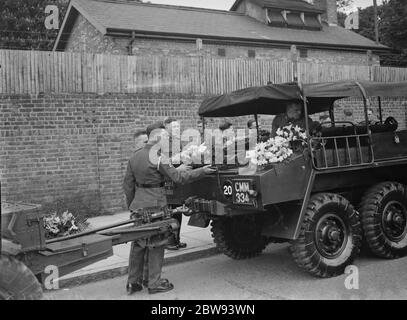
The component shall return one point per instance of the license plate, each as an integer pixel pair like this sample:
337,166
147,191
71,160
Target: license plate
241,191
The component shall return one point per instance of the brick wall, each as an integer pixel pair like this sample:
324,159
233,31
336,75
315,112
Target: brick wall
352,110
85,38
71,150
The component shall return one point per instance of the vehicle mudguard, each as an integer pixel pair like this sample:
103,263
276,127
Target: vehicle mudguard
10,248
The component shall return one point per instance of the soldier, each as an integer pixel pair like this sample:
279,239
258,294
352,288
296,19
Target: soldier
140,139
201,124
173,128
294,115
226,127
144,189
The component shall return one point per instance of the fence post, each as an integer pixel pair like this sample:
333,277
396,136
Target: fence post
294,60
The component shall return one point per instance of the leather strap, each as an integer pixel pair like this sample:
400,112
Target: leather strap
150,186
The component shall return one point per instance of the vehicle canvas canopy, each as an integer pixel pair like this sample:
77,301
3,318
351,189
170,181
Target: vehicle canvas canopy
272,99
355,140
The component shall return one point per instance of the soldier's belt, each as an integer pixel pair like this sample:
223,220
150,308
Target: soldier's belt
150,185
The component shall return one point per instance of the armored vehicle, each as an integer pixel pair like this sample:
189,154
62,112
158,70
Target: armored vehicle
346,188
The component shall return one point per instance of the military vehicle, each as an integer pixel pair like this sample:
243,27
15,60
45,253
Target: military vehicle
308,201
347,187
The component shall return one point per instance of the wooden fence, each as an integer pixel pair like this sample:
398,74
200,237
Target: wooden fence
37,71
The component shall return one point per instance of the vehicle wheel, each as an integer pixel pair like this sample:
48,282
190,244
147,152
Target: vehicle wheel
384,219
239,237
17,282
330,236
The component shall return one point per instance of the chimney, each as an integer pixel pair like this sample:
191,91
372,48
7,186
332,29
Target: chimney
329,7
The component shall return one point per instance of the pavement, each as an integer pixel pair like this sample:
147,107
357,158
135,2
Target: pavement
199,245
271,276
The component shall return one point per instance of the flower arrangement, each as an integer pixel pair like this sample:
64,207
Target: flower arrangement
292,133
279,148
64,224
191,154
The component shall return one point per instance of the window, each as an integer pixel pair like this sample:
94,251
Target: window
222,52
312,22
251,53
303,53
276,18
294,19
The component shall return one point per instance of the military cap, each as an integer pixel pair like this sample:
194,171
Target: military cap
154,126
169,120
139,132
224,126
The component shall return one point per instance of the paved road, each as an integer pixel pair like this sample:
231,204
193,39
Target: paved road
273,275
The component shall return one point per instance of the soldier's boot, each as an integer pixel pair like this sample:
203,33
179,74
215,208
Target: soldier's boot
179,245
164,286
182,245
133,287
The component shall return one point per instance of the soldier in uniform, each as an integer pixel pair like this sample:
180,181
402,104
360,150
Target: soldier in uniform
201,124
144,189
294,115
172,126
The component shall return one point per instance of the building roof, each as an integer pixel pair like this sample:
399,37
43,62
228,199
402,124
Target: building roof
151,20
295,5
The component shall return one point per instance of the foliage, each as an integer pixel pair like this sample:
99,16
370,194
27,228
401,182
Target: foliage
22,24
343,4
393,31
63,224
392,16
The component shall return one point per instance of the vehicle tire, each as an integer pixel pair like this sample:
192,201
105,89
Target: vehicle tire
239,237
330,236
17,282
384,219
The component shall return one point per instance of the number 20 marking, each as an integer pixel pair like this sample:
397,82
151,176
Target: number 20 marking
227,190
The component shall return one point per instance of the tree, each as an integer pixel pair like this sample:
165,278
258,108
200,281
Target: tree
392,16
393,31
366,22
343,4
22,24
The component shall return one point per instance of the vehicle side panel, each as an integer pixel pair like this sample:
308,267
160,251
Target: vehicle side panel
389,145
364,177
285,181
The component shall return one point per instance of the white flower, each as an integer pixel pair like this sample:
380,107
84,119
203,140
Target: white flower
278,148
202,148
73,227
